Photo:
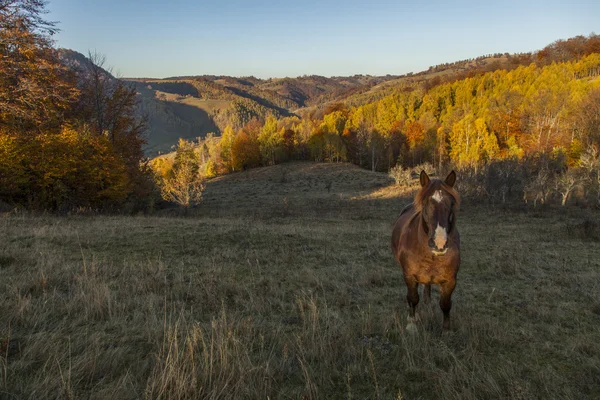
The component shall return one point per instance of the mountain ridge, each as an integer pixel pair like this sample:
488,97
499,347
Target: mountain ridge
192,106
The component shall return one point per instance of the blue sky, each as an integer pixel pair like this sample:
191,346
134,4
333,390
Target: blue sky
291,38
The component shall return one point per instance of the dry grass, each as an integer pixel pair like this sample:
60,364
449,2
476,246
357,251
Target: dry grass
279,288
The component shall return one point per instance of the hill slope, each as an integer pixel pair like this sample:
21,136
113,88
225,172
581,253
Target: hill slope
301,299
190,107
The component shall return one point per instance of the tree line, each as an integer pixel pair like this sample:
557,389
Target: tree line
544,118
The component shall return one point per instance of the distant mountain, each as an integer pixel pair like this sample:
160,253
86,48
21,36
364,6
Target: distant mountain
168,117
81,64
192,106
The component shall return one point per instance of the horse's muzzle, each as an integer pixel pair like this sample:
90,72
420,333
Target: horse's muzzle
439,252
435,249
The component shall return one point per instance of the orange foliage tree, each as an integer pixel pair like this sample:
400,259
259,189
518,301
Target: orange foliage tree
414,133
36,90
245,150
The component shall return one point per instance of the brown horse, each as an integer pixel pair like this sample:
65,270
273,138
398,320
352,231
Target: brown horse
426,244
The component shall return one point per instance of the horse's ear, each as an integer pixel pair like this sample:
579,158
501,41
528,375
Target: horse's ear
451,178
424,178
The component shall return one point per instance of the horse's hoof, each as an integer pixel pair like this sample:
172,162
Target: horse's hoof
411,328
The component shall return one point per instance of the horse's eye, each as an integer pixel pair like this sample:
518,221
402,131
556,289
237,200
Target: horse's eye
451,217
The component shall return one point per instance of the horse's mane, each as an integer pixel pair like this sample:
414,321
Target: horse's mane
427,191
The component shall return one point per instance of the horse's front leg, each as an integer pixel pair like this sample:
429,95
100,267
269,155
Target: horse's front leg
427,293
446,290
412,297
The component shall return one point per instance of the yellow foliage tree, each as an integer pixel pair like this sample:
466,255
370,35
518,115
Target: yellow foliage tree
270,140
184,183
225,144
472,143
62,170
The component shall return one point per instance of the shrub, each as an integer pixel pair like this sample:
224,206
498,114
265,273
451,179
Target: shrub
403,177
427,167
184,182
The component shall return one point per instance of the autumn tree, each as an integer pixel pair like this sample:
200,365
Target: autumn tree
226,142
245,151
441,147
332,129
36,90
107,106
590,166
210,157
316,144
472,143
66,141
350,140
414,133
184,183
289,139
588,117
270,141
368,139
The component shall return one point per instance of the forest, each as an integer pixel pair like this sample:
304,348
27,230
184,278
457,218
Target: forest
530,133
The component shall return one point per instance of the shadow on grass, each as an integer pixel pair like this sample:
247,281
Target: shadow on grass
195,123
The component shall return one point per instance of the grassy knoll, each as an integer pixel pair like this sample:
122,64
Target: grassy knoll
281,285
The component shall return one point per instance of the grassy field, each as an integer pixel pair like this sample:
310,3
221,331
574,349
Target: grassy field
282,285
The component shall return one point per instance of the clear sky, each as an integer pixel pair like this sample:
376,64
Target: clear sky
290,38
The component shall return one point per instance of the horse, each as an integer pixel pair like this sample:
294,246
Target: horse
426,244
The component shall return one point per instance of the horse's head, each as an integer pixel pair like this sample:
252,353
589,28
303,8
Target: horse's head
437,201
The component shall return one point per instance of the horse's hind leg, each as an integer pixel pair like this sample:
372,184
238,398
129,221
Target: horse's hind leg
446,290
427,293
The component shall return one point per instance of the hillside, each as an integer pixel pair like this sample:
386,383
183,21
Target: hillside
173,114
559,51
277,287
299,187
190,107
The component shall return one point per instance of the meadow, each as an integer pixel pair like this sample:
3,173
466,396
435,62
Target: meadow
281,285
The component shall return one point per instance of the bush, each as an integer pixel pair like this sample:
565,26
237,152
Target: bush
403,177
183,183
531,179
427,167
406,176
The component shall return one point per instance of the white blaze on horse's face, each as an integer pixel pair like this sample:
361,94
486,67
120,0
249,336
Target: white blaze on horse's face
440,239
438,196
